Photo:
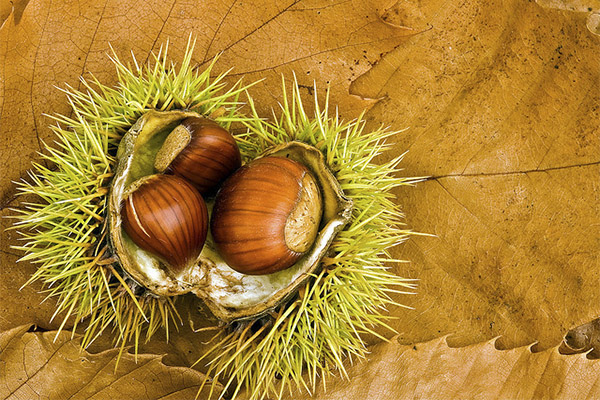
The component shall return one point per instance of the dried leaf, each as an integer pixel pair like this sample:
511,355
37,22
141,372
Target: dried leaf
592,7
583,339
432,370
19,306
504,114
36,365
501,101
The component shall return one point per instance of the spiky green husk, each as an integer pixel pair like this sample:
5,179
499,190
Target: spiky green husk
64,233
311,336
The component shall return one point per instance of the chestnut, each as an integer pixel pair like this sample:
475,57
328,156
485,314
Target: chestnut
166,216
266,215
200,151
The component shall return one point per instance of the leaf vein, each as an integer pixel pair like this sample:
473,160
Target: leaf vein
508,173
40,368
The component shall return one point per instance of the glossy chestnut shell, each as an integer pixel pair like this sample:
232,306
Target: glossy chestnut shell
266,215
166,216
228,294
200,151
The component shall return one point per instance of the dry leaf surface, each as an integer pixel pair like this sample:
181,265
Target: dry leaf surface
36,365
583,339
503,108
19,305
500,98
432,370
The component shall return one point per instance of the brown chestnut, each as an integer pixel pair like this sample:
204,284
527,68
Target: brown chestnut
200,151
166,216
266,215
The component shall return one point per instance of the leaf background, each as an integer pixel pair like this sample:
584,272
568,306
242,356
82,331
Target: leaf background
53,366
500,98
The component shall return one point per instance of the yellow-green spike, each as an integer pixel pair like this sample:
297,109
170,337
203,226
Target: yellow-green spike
64,231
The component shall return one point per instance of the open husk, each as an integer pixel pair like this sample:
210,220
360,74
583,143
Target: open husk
229,294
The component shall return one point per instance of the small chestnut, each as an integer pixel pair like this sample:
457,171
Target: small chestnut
266,215
166,216
200,151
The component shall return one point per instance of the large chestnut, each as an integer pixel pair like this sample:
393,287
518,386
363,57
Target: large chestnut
266,215
200,151
166,216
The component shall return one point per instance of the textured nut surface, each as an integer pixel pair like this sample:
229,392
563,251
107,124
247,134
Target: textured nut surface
200,151
266,215
166,216
230,295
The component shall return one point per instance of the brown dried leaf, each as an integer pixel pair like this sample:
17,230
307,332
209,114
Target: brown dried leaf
36,365
501,101
591,7
18,305
583,339
432,370
502,104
